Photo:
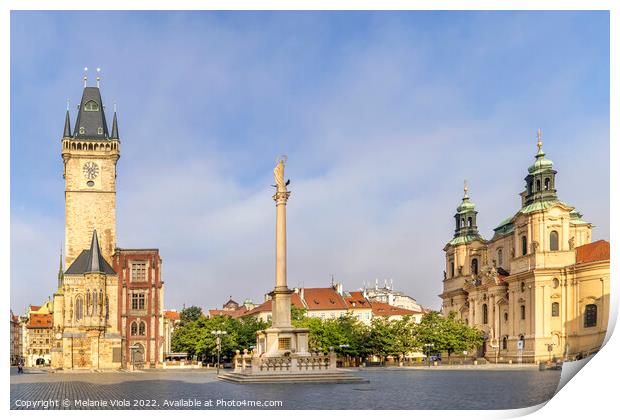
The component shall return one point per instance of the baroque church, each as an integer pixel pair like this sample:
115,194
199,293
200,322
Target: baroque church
539,288
108,305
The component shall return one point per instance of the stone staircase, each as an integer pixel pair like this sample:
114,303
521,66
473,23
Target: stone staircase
339,377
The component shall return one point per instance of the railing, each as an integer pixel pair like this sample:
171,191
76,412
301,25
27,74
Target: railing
254,364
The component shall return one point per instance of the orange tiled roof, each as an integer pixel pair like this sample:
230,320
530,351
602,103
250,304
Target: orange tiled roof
40,321
172,315
323,298
267,305
383,309
357,300
34,308
595,251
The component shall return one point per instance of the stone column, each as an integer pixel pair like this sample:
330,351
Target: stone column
281,310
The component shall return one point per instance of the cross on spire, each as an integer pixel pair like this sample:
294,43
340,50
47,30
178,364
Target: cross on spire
465,189
539,142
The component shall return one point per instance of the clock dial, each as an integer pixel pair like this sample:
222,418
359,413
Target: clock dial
91,170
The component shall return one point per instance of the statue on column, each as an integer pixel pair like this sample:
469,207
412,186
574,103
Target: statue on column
278,174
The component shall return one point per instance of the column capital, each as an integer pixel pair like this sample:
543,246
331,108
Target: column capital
281,197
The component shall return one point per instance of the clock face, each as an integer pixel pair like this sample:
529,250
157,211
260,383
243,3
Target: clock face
91,170
58,336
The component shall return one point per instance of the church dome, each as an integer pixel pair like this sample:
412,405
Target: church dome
541,164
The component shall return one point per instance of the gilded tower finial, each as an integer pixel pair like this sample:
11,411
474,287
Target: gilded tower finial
539,143
465,189
98,76
85,75
67,104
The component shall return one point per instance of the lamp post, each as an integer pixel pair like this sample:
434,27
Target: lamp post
218,341
429,346
345,346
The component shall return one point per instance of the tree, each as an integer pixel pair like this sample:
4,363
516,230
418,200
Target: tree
191,313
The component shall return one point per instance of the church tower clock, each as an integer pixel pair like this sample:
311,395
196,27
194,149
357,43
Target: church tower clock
89,154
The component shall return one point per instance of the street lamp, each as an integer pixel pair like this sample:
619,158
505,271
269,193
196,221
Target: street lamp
429,346
218,341
345,346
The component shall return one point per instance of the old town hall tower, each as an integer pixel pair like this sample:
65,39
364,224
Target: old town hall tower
89,154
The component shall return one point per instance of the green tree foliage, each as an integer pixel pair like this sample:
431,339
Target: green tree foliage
191,313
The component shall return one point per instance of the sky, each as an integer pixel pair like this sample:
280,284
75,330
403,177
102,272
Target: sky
382,116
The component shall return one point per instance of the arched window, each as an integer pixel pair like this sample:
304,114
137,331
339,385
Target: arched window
134,328
457,223
500,257
522,311
555,309
463,222
522,287
451,268
485,314
529,188
589,319
523,245
547,184
79,308
538,185
142,328
505,343
469,222
553,241
505,316
91,106
474,266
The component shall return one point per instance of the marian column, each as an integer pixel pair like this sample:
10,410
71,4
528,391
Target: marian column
281,312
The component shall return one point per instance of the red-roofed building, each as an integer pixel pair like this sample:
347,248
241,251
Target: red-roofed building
39,341
595,251
393,312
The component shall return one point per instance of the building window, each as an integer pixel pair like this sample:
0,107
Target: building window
523,245
138,271
500,257
529,188
81,130
553,241
590,316
522,311
469,222
505,343
547,184
505,316
522,287
474,266
91,106
134,328
538,185
555,309
79,308
451,268
485,314
99,130
142,330
137,301
94,302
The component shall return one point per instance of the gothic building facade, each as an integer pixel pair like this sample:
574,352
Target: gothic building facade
539,288
90,305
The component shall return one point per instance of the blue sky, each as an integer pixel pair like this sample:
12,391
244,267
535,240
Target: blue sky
382,115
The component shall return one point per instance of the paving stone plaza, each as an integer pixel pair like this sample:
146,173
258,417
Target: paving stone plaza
387,389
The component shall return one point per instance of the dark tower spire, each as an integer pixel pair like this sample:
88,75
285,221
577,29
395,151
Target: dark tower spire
91,122
114,126
95,263
67,131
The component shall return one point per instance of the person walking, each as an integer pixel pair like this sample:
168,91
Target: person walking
20,366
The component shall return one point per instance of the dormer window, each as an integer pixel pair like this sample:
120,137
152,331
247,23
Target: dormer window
99,130
81,130
91,106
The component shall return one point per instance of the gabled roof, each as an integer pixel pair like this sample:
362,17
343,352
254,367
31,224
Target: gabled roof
267,305
595,251
323,298
91,260
356,300
383,309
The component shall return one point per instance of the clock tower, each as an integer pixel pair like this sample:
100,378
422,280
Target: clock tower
89,154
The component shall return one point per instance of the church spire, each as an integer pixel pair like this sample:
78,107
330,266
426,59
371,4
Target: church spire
61,274
465,216
114,126
95,263
540,181
67,131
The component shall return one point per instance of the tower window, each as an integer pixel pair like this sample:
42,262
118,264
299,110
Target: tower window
553,241
505,316
485,314
522,311
529,188
547,184
91,106
79,308
500,257
81,130
142,330
134,328
555,309
137,301
99,130
504,343
523,245
138,271
522,287
474,266
590,316
469,223
451,268
538,185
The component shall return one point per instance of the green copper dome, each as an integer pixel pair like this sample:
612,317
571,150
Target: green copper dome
465,206
541,164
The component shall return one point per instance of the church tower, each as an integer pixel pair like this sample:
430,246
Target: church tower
89,154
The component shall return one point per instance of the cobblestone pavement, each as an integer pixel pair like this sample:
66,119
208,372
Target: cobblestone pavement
387,389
